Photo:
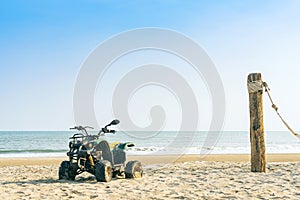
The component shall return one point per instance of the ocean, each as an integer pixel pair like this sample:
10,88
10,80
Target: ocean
55,143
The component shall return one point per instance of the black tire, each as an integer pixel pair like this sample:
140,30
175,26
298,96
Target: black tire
134,169
103,171
66,171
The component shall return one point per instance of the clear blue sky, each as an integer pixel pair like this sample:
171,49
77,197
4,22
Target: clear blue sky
43,44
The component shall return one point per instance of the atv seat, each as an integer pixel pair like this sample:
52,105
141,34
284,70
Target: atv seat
119,157
103,146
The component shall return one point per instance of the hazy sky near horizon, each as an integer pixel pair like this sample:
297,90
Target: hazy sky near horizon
44,43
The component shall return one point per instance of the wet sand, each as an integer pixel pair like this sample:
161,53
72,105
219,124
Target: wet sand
157,159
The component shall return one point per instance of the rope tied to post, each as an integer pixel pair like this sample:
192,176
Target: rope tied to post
255,86
267,90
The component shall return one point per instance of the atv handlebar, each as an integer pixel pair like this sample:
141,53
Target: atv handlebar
106,130
111,131
82,128
101,132
79,128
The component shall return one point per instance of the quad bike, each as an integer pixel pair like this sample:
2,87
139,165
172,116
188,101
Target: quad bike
93,154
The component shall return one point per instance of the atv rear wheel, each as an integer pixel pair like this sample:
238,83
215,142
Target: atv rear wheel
133,169
103,171
66,171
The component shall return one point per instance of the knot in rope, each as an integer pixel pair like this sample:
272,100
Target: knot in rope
267,90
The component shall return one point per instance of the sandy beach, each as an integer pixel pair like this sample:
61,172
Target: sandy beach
190,177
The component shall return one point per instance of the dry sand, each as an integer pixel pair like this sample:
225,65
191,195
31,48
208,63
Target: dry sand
187,178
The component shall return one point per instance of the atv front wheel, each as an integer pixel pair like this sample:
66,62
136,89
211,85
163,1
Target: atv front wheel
103,171
66,172
133,169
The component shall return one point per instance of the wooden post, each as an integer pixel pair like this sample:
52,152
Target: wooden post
258,150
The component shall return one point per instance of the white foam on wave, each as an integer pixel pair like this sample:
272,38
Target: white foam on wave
31,155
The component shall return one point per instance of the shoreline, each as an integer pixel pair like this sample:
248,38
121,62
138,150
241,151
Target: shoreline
160,159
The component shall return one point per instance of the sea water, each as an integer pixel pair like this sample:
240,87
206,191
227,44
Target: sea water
55,143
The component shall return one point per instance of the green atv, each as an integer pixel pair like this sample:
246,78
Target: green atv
93,154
